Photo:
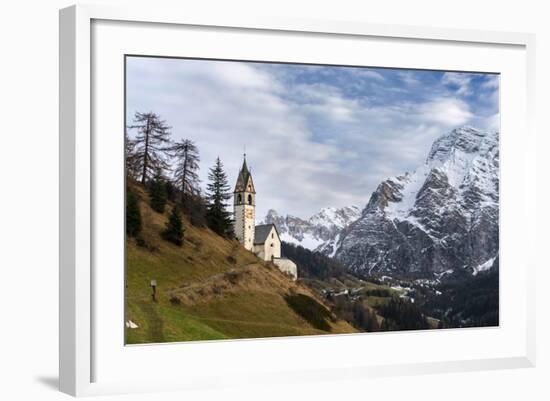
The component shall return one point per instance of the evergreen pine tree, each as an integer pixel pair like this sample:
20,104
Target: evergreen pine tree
217,217
174,230
133,216
157,193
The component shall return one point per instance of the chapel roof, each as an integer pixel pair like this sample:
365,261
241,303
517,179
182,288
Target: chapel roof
262,232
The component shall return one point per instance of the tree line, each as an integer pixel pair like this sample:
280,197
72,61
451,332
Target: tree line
169,171
464,300
312,264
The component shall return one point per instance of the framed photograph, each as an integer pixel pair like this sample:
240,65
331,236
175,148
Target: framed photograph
274,199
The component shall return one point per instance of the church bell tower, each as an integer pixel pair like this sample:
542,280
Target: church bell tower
244,207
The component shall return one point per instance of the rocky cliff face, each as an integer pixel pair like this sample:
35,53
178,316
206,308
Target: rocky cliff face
440,217
316,231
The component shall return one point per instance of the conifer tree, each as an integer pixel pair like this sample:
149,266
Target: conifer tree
151,141
174,230
187,167
133,215
131,159
157,193
217,217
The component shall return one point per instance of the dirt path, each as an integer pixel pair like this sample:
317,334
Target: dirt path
154,322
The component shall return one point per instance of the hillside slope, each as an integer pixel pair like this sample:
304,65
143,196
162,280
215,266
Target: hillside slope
212,288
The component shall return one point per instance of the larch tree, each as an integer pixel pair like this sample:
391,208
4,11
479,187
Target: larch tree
151,142
186,169
217,216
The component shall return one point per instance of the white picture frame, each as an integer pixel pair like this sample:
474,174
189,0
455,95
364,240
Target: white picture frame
90,359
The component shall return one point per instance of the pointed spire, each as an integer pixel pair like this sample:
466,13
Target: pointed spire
244,169
243,177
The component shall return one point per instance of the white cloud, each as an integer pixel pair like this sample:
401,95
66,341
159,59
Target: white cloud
459,81
370,74
409,78
491,82
449,112
326,101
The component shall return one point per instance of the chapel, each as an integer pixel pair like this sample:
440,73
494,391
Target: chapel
263,239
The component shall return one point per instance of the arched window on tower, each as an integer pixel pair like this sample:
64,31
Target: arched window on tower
239,198
249,199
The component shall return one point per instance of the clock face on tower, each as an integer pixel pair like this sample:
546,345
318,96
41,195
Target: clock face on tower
248,214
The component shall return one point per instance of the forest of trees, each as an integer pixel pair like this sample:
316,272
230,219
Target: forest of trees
466,300
169,171
312,264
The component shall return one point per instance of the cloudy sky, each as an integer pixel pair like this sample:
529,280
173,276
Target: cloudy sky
315,136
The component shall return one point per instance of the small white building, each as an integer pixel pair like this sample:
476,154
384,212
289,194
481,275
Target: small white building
263,239
267,246
267,243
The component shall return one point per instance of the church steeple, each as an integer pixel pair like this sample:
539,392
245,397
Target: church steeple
244,179
244,207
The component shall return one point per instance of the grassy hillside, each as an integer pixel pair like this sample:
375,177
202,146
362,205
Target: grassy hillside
212,288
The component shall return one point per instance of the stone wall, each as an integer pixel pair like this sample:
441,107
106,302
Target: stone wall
287,266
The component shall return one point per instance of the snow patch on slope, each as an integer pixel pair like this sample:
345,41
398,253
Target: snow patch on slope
317,231
308,241
484,266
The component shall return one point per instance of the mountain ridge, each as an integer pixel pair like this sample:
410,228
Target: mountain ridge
313,233
443,215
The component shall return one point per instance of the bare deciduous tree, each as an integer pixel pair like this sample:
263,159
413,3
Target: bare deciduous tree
187,166
152,139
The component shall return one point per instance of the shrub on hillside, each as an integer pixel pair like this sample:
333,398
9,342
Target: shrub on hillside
232,276
157,193
133,215
311,310
142,243
174,228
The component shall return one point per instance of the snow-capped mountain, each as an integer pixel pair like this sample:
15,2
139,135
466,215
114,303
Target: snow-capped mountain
316,231
442,216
